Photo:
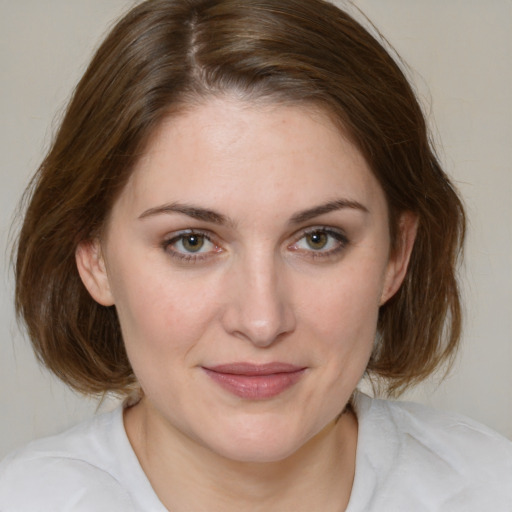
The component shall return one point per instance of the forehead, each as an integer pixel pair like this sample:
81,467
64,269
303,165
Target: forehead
233,153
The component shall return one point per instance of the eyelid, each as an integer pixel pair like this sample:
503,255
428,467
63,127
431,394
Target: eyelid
176,235
330,230
337,233
189,257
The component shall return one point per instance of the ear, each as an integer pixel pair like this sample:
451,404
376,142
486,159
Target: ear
399,258
93,272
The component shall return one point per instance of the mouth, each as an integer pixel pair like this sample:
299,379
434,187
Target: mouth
255,382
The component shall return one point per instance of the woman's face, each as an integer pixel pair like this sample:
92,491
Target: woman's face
247,258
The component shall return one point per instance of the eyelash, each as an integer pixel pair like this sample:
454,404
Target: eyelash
189,257
337,235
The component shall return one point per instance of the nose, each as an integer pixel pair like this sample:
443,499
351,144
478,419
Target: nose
260,309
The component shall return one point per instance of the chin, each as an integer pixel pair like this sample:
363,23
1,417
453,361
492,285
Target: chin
257,452
265,441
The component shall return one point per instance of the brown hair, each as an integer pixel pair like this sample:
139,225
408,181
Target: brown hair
167,53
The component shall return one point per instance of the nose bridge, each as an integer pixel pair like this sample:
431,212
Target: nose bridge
260,309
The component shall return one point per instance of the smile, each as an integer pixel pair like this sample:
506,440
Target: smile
255,382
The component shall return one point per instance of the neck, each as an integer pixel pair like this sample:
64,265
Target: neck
188,476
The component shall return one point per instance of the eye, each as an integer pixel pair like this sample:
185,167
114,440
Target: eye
317,240
191,245
320,241
193,242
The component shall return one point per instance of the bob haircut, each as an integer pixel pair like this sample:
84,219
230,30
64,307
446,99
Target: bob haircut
165,55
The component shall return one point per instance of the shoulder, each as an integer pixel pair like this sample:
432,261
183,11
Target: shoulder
450,460
427,425
69,471
451,436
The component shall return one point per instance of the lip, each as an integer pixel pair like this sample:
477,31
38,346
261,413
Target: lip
255,381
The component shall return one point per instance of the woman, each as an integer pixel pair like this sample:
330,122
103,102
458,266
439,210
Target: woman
240,216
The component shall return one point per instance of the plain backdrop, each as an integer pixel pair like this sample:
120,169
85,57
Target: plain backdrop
459,54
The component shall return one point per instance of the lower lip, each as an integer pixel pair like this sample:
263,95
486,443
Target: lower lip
255,387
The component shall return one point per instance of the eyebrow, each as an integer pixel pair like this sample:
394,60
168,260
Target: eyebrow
195,212
207,215
331,206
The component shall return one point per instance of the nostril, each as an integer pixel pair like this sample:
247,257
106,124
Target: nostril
259,306
262,330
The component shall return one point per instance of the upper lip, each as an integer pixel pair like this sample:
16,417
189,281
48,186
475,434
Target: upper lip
251,369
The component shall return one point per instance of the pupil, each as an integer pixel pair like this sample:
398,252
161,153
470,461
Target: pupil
193,242
317,240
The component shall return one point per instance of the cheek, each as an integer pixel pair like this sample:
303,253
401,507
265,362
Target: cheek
160,311
161,326
348,303
342,316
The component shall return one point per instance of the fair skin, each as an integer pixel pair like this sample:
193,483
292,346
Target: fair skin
247,258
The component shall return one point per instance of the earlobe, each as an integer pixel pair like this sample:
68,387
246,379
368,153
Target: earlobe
93,272
399,259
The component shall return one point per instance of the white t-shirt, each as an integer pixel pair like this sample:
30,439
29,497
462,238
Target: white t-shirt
409,459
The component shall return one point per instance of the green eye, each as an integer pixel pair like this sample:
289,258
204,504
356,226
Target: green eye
191,247
192,242
317,240
321,242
